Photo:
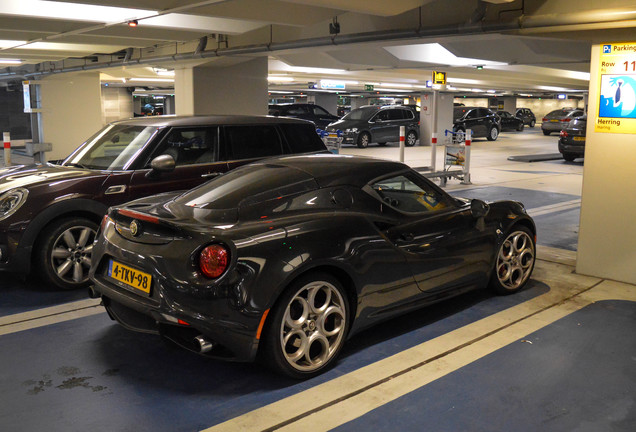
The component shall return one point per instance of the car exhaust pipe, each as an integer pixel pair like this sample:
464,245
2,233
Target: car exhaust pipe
92,293
204,344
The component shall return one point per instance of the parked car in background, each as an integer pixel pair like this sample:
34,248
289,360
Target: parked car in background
49,214
558,120
510,122
378,124
481,121
288,258
314,113
527,116
572,139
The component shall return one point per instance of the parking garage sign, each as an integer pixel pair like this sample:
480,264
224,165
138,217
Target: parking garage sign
617,89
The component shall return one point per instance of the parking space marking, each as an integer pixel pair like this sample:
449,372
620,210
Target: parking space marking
345,398
553,208
50,315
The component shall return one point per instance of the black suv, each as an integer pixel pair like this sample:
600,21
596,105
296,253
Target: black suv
481,121
379,124
314,113
49,214
527,116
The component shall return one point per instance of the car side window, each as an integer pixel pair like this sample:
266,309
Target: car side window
577,114
395,114
190,146
408,194
249,142
382,115
472,114
408,114
296,111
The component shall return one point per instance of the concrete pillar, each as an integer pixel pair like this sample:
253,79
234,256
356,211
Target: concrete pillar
509,104
236,89
444,116
606,246
71,110
168,105
357,102
328,101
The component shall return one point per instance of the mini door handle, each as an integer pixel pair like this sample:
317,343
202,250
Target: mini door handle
212,174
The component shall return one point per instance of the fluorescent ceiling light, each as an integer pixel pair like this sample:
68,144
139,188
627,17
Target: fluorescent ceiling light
555,89
434,53
280,92
395,90
10,61
396,85
152,79
491,91
463,80
280,78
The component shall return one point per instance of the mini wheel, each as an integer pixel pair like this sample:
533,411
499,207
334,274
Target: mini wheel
514,262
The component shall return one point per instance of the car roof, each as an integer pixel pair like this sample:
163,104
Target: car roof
168,120
333,170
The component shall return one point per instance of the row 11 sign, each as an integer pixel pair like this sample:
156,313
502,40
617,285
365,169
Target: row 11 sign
617,89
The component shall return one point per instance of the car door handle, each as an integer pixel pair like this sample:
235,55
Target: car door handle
211,175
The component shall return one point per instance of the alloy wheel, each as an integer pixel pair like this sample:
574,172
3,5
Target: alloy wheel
71,254
515,260
313,326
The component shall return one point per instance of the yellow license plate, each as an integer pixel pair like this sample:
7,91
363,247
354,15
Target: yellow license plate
554,121
130,276
579,138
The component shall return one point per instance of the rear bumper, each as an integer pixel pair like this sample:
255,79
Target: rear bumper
553,127
573,149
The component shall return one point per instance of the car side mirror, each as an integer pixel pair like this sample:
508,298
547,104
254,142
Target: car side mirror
479,209
161,164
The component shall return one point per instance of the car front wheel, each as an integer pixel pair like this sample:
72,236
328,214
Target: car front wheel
546,133
532,123
520,127
514,262
493,134
308,326
363,140
64,252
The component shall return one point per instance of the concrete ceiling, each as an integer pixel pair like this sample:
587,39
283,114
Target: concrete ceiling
524,46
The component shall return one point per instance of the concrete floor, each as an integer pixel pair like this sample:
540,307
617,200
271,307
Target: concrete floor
557,356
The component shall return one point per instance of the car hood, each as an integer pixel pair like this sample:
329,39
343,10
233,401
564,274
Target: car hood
345,124
26,176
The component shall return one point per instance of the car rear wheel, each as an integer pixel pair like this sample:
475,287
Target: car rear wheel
514,262
64,252
363,140
308,326
411,139
493,134
546,133
569,157
532,123
520,127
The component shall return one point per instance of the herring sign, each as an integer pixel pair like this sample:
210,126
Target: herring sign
617,89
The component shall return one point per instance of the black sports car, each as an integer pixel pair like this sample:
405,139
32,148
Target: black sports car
289,257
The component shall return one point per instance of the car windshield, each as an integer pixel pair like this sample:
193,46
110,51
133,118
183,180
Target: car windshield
361,113
113,148
248,185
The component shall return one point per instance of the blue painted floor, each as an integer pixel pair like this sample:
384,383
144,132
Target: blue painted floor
18,295
92,373
578,374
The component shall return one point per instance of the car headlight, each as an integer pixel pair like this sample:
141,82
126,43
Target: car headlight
352,130
11,201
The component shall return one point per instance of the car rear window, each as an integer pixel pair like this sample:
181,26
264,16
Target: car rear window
302,138
248,185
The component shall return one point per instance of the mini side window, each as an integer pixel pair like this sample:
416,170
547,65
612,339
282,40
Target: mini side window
409,194
249,142
190,146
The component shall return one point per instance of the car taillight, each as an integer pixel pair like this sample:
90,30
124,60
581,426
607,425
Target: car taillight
563,133
213,260
566,119
545,119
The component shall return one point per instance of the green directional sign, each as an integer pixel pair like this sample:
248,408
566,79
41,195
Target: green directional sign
368,87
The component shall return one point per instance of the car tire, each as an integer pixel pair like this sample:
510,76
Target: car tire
569,157
64,252
514,261
411,139
460,135
364,139
520,127
308,326
546,133
532,123
493,134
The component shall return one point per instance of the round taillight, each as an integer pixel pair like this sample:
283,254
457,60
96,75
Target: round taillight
213,260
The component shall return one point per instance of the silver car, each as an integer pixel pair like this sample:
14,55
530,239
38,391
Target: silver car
558,120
